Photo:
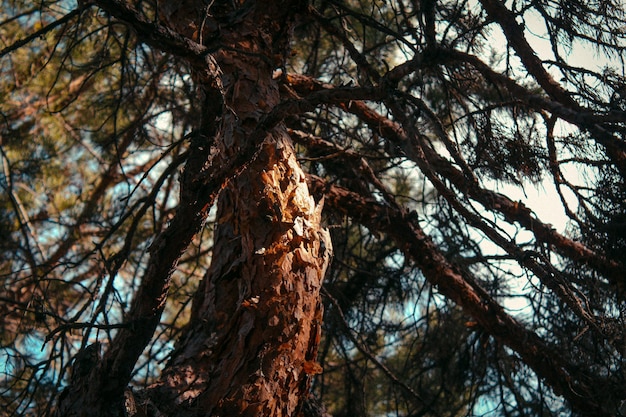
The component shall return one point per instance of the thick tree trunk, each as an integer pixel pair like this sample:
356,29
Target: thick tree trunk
251,343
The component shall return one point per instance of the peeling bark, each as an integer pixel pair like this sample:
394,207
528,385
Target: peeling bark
251,343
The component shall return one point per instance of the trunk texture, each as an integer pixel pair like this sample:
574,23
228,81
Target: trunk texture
251,343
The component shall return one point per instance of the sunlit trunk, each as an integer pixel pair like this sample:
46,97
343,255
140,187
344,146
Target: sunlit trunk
251,343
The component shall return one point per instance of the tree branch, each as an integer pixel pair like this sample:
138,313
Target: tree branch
514,33
41,32
365,351
459,287
513,211
158,36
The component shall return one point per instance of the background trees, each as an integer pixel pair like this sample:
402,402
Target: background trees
420,123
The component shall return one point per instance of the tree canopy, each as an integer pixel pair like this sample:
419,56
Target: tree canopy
421,130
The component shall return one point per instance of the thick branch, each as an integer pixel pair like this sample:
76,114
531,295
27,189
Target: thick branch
460,288
514,33
156,35
513,211
108,380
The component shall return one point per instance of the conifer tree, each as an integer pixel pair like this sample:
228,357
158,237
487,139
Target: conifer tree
292,208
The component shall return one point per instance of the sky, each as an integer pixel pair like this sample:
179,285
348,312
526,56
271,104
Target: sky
542,198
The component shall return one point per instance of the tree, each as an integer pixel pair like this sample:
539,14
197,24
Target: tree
178,175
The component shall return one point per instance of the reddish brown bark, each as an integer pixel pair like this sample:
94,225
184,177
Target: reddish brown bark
251,343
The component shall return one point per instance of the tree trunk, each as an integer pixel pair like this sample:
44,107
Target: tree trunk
250,346
251,343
